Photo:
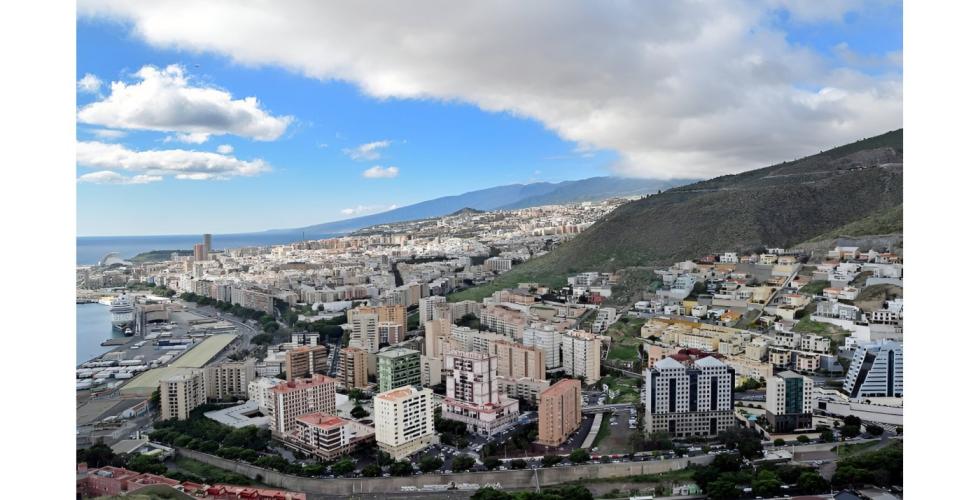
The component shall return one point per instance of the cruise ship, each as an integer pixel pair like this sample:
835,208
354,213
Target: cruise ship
123,313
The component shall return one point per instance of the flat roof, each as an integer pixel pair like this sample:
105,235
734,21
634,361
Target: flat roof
145,383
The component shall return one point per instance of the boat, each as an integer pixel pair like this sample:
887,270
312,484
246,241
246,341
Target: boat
123,314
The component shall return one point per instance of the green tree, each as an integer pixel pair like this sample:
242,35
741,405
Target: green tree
429,464
98,455
491,463
875,430
146,463
827,436
384,459
371,470
401,468
342,467
487,493
518,464
355,395
803,439
578,456
778,442
766,483
550,460
850,431
723,489
358,412
810,482
462,463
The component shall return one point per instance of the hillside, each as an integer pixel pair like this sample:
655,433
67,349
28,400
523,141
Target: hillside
780,205
887,221
496,198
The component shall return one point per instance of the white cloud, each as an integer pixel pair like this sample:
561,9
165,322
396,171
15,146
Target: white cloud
177,163
226,149
89,84
110,177
367,209
379,172
163,100
193,138
108,134
677,89
369,151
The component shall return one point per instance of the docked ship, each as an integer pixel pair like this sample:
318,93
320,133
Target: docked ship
123,313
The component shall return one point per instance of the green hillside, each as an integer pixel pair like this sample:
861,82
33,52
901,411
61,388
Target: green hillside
887,221
780,205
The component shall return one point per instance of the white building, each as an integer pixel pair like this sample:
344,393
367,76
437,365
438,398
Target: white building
404,421
546,338
690,401
789,402
472,396
429,307
364,330
876,371
258,391
581,355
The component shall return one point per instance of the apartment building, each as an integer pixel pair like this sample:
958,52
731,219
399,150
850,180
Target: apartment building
789,402
229,380
180,394
353,369
559,412
259,391
581,355
326,436
528,389
471,392
504,320
876,370
548,340
689,401
469,339
404,421
394,313
399,367
363,324
429,308
517,360
462,308
301,397
304,361
390,333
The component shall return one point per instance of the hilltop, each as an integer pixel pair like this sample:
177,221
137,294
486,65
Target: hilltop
780,205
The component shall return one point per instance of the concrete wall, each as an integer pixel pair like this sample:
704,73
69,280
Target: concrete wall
518,479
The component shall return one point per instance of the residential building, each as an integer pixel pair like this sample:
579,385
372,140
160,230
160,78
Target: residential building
404,421
301,397
789,402
548,339
497,264
259,391
199,254
876,370
363,324
353,371
528,389
690,401
395,313
429,307
581,355
390,333
559,412
229,380
327,436
471,392
504,320
517,360
180,394
398,367
304,361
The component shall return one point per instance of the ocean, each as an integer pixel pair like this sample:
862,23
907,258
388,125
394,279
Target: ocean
90,249
93,325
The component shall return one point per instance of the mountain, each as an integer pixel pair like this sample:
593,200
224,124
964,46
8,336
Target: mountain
780,205
497,198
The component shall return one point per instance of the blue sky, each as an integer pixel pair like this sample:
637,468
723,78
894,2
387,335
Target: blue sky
439,138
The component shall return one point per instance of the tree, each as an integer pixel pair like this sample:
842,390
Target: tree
462,463
371,470
778,442
766,483
578,456
358,412
146,463
401,468
491,463
727,462
550,460
518,464
852,420
803,439
875,430
343,467
487,493
723,489
827,436
429,464
355,395
850,431
99,455
384,459
810,482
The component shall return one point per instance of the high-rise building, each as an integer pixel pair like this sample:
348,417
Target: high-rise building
386,313
789,402
471,392
581,354
560,412
468,339
229,379
518,360
259,391
876,371
363,329
436,331
180,394
404,421
429,306
199,254
301,397
504,320
207,245
390,333
304,361
690,401
546,338
528,389
326,436
353,368
398,367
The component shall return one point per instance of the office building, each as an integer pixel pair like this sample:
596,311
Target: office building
689,401
398,367
207,244
326,436
876,371
560,412
517,360
229,380
304,361
471,392
789,402
301,397
180,394
353,371
404,421
546,338
581,354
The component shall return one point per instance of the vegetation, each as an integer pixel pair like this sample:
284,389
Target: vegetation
815,287
156,290
429,464
550,460
750,384
209,474
882,467
518,464
463,463
401,468
578,456
358,412
887,221
568,492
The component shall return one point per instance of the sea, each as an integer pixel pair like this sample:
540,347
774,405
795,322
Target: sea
93,325
90,249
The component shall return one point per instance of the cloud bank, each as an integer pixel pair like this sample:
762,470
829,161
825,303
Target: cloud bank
154,165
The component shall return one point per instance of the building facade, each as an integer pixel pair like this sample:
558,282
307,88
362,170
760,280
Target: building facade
559,412
471,393
398,367
876,370
518,360
229,380
301,397
404,421
180,394
789,402
304,361
581,355
690,401
327,436
353,370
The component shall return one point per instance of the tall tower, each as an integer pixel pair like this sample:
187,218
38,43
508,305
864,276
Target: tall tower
207,244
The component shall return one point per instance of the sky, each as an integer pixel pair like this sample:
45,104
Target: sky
233,116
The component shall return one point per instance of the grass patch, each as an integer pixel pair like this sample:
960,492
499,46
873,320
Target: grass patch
815,287
623,353
853,449
603,430
508,280
807,325
211,474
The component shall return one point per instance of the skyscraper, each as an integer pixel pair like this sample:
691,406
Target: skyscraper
199,254
404,421
471,392
560,412
690,401
207,244
398,367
